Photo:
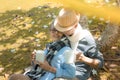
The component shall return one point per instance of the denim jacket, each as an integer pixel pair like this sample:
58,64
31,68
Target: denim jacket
88,47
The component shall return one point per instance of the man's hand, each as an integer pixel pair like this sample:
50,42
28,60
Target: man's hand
80,57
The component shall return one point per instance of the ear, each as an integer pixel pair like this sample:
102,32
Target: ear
76,25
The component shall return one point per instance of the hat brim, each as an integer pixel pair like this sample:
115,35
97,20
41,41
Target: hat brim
59,28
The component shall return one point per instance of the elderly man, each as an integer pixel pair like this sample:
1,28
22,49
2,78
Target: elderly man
82,42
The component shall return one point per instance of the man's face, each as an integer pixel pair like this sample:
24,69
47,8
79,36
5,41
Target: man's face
70,32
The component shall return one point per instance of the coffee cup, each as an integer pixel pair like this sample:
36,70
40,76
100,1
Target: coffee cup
40,55
69,56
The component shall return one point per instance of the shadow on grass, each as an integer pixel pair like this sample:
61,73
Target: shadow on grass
21,33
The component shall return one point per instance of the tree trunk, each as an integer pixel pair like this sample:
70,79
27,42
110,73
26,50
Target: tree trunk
109,37
84,21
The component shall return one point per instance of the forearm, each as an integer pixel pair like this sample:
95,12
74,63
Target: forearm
44,65
48,68
52,69
92,62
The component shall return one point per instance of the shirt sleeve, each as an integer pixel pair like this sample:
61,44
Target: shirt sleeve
63,69
66,71
89,47
93,52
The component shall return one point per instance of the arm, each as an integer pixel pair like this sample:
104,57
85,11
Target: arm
91,56
44,65
90,52
58,66
66,71
90,61
63,68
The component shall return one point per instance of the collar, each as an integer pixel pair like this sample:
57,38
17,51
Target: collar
78,34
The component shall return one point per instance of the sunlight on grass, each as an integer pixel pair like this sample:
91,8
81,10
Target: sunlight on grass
18,4
41,35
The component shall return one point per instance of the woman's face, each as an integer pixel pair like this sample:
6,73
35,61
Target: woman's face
55,35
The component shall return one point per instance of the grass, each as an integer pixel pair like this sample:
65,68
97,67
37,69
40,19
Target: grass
20,33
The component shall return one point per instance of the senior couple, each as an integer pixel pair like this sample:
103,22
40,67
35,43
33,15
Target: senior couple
76,57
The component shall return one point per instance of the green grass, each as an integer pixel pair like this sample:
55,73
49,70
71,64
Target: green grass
20,33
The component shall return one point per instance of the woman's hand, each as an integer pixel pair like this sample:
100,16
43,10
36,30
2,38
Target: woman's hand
44,65
33,55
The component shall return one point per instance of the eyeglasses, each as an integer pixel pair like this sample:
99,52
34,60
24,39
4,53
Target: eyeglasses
53,29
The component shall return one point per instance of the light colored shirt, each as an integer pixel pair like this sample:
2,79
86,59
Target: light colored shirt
74,39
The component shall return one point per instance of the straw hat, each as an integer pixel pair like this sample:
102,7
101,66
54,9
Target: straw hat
66,20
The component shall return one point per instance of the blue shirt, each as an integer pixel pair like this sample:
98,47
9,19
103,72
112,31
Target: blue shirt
63,69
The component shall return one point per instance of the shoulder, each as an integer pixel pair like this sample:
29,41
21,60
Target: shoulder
88,37
64,49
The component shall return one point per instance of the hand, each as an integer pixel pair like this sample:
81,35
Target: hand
80,57
33,56
44,65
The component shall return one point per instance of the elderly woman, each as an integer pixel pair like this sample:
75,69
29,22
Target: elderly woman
59,65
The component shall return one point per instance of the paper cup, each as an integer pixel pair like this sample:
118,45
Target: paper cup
40,55
69,56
